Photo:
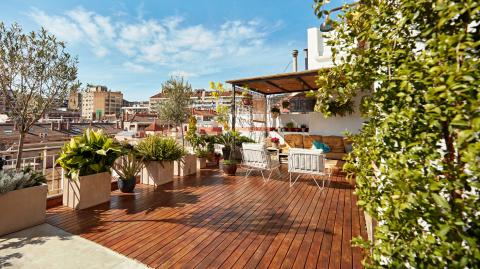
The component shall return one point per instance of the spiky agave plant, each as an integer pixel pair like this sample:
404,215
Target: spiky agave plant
128,166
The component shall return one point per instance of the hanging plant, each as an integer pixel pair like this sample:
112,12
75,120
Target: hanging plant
247,99
275,112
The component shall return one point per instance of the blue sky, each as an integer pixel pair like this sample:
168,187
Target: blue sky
134,46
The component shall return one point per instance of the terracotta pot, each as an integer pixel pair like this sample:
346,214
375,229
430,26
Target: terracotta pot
157,173
247,101
229,169
186,166
87,191
21,209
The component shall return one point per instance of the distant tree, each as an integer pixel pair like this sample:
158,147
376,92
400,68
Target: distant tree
176,108
36,75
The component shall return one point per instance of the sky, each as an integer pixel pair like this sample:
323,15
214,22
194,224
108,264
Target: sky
134,46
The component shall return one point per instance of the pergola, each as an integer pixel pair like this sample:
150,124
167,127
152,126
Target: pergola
275,84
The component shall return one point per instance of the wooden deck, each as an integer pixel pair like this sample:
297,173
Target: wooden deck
213,221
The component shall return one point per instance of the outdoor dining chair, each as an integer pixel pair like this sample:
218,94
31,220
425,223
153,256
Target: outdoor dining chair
307,161
256,158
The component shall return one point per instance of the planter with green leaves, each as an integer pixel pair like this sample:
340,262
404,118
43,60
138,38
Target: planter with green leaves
201,158
127,168
185,166
23,200
158,154
229,167
87,160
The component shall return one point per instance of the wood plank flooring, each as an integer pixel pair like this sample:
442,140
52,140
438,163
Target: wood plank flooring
214,221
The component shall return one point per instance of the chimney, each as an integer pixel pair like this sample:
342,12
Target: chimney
68,125
306,58
52,127
295,62
59,126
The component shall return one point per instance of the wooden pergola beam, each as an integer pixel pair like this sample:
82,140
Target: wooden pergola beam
276,86
305,83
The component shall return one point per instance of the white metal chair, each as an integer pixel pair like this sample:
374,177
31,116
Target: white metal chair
256,157
307,161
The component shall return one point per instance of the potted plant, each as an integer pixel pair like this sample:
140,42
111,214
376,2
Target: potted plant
275,112
23,199
285,105
211,156
229,165
289,126
304,128
275,141
201,158
197,143
158,154
87,160
127,167
247,99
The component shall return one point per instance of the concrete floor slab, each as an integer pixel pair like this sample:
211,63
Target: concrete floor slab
45,246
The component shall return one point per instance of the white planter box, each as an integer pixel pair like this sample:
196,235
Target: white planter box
201,163
21,209
157,173
186,166
87,191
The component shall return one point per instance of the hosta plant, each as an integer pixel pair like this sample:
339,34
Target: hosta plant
90,153
11,180
157,148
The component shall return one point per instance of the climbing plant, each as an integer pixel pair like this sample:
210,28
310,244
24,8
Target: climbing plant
416,158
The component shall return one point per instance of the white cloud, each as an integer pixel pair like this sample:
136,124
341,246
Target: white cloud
168,43
136,68
60,26
182,73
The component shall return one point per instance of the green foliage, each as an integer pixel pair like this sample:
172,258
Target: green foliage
36,75
176,107
227,139
157,148
201,153
334,95
11,180
223,111
240,139
229,161
416,159
90,153
290,125
195,140
128,165
275,110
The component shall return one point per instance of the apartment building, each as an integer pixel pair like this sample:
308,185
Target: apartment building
99,102
201,100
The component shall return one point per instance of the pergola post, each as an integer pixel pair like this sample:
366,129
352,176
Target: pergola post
234,116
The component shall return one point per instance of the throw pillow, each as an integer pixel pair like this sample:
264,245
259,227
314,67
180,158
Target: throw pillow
319,145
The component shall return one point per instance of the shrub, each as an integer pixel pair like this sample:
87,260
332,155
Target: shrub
11,180
128,165
91,153
201,153
157,148
416,159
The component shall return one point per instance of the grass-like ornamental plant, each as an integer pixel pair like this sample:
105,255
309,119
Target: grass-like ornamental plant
157,148
128,166
90,153
11,180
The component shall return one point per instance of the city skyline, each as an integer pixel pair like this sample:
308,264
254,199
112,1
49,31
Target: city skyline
129,48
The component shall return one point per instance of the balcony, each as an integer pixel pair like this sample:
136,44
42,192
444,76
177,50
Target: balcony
216,221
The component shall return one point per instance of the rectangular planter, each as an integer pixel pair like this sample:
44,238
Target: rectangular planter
21,209
201,163
186,166
87,191
157,173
